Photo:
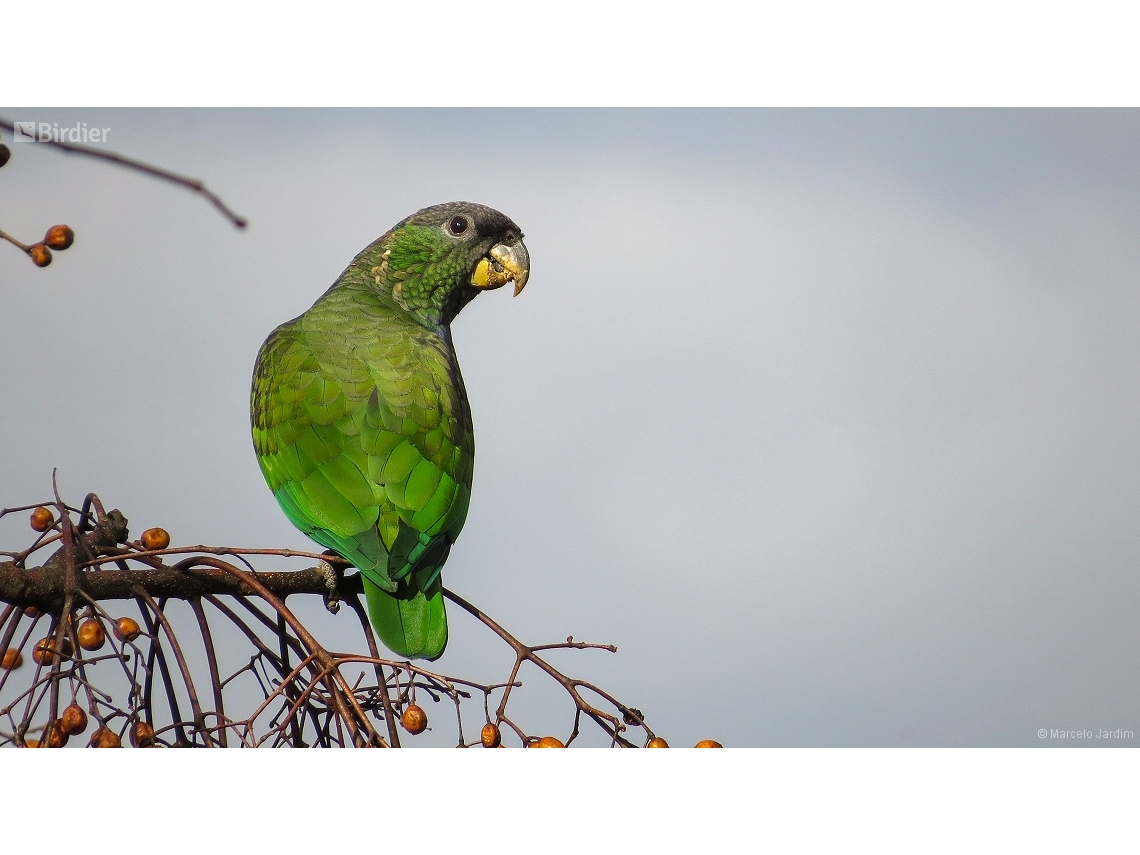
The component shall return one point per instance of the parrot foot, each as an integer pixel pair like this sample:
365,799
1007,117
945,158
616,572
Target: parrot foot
332,580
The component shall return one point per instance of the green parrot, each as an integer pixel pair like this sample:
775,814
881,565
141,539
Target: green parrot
360,419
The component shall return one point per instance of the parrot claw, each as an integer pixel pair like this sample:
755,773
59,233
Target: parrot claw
332,593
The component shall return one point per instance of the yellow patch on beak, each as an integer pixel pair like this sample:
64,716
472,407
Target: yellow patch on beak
481,278
504,263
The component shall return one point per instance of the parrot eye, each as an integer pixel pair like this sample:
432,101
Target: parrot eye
458,225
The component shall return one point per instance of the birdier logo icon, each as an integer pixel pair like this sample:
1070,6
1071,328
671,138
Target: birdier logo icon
52,132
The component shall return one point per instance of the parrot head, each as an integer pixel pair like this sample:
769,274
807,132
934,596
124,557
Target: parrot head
437,260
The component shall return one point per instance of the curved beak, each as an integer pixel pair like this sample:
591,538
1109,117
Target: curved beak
503,263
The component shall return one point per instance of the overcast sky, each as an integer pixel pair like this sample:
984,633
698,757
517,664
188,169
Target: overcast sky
828,419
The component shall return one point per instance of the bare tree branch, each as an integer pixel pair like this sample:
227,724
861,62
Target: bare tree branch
194,184
307,694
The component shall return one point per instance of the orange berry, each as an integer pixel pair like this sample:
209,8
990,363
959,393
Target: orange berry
155,538
44,651
74,720
91,634
31,743
127,629
414,719
547,742
54,736
490,736
59,237
657,742
104,738
42,518
32,612
708,743
13,659
142,735
40,254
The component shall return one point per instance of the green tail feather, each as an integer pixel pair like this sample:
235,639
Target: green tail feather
412,623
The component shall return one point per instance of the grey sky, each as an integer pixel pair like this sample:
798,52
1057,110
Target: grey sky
828,419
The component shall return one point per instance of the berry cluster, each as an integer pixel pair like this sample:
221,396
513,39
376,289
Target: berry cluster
57,237
117,680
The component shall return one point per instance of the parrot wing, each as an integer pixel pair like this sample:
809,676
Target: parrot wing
366,442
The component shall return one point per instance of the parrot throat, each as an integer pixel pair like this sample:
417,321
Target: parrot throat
423,276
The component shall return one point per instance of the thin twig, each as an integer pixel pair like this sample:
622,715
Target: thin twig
193,184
